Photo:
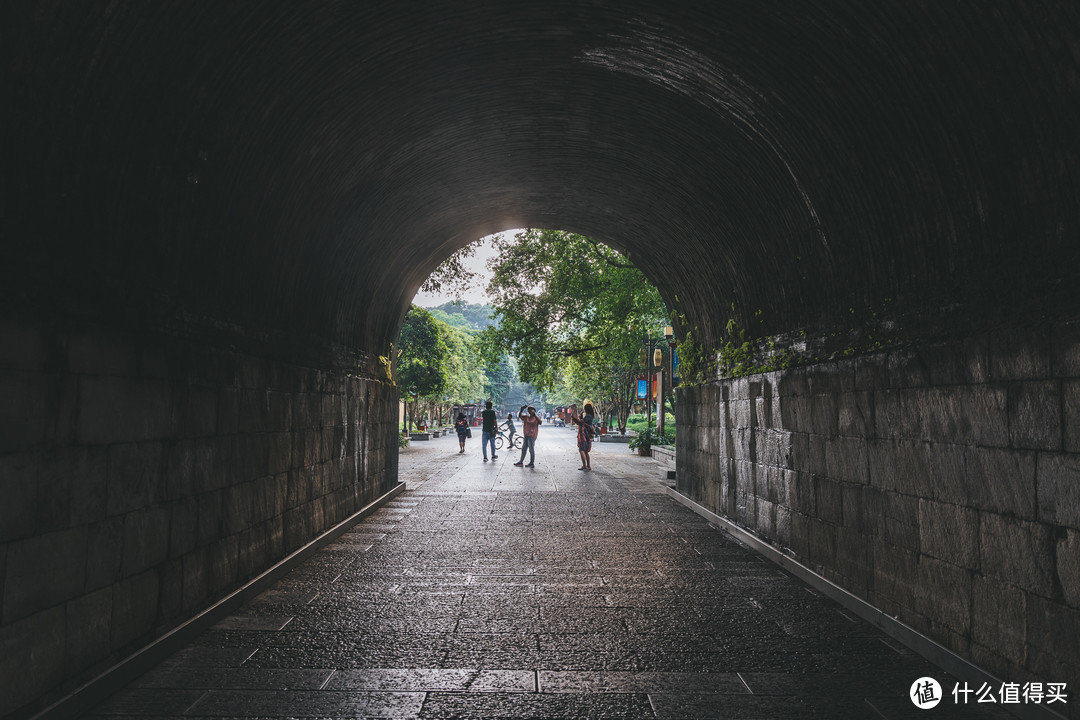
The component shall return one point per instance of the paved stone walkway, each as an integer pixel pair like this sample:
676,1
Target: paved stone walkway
493,591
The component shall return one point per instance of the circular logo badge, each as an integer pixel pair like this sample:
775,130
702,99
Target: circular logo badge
925,693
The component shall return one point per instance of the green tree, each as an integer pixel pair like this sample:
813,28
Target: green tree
501,377
466,373
463,315
573,312
424,364
609,378
453,274
466,378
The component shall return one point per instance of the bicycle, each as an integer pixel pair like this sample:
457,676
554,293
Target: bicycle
502,439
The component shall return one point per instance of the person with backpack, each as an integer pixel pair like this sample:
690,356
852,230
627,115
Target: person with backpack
461,425
586,430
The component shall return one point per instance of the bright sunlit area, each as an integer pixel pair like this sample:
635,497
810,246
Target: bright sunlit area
471,289
546,318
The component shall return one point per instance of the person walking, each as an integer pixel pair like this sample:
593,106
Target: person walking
530,427
462,427
490,430
586,428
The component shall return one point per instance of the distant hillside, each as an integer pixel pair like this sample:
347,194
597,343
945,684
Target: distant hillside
463,315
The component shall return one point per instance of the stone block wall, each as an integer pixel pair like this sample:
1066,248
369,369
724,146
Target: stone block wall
142,477
940,483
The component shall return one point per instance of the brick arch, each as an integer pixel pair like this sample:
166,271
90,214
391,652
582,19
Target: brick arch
300,171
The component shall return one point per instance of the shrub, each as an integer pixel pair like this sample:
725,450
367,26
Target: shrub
647,438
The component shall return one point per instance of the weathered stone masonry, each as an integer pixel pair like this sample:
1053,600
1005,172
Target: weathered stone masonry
144,476
941,484
294,171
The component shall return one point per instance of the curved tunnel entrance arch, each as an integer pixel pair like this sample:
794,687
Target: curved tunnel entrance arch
215,215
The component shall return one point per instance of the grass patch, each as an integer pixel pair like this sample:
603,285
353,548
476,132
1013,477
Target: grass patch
637,423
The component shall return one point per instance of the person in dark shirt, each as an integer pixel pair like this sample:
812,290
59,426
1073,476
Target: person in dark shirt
490,430
461,425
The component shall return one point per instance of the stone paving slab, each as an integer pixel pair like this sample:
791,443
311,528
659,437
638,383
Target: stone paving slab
306,703
490,591
552,681
233,678
434,680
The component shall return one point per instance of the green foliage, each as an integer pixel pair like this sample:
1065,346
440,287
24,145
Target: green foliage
573,313
466,378
736,358
452,274
386,368
561,394
403,440
501,377
522,393
696,364
460,375
423,365
647,438
639,423
740,356
464,315
741,353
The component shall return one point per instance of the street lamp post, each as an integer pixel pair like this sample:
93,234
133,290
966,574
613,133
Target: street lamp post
658,379
669,337
653,361
650,348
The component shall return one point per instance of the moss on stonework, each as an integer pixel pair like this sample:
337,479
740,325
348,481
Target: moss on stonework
742,352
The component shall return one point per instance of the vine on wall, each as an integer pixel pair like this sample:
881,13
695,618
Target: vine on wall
741,352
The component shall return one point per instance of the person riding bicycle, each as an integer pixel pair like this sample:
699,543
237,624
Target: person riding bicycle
507,436
509,425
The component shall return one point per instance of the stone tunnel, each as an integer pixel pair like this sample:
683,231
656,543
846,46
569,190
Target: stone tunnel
214,216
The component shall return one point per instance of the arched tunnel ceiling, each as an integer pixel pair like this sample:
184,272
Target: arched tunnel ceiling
297,169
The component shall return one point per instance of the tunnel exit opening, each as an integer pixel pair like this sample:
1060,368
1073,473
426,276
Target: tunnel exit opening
564,319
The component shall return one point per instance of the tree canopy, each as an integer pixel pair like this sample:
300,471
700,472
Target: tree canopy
452,274
569,316
423,365
440,361
572,311
464,315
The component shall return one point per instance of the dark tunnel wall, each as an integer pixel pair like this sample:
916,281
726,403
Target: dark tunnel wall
296,168
267,184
